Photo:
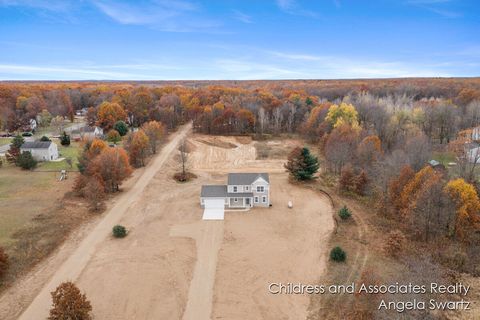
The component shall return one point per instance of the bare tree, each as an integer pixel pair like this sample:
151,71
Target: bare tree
183,157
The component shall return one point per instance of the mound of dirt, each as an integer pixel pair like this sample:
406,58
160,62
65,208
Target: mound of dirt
215,142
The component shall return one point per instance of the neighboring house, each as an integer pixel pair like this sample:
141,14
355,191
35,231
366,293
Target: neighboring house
242,191
87,132
82,112
474,153
41,150
31,126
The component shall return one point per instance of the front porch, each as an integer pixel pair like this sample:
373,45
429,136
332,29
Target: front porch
240,202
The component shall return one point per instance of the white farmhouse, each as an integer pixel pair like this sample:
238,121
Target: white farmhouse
243,191
41,150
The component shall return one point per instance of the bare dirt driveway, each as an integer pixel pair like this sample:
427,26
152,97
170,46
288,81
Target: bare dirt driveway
73,267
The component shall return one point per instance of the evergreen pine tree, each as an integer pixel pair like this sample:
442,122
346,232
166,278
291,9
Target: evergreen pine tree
302,165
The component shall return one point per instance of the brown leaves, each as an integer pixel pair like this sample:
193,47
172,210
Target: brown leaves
69,303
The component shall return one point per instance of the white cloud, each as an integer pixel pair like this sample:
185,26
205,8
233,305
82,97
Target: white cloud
293,8
240,16
174,16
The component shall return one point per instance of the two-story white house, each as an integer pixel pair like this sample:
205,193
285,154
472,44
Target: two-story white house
41,150
243,190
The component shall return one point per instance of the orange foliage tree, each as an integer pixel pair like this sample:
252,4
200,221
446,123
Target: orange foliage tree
112,167
109,113
467,203
155,131
414,189
69,303
396,186
137,145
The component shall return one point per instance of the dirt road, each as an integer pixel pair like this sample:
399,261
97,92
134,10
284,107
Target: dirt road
73,267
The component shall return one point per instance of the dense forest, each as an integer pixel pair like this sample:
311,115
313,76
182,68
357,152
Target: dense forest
377,137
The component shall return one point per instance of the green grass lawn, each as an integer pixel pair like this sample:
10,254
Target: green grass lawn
444,157
71,152
4,141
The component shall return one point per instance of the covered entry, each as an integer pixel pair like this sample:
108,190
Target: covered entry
214,209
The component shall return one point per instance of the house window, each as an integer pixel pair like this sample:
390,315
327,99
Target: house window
247,188
235,199
264,199
256,199
235,189
260,189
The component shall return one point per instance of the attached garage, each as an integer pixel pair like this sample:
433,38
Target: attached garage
214,209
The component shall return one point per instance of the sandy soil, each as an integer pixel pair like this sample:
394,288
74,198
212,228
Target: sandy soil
173,265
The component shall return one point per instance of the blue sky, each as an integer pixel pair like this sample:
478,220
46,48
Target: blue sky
234,39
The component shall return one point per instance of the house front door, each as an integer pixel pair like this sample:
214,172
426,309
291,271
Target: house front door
247,201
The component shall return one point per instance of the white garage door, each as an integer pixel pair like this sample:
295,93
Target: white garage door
214,209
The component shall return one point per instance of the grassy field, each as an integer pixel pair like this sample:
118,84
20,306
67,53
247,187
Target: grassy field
23,195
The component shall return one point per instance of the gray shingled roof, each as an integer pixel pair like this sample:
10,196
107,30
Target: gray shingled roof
36,145
240,195
214,191
245,178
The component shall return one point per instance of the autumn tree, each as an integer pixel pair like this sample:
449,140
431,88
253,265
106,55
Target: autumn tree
112,167
137,145
343,114
69,303
91,116
465,197
340,147
113,136
91,149
155,132
14,151
45,118
94,192
396,186
109,113
346,180
369,151
360,183
416,188
58,124
302,165
395,243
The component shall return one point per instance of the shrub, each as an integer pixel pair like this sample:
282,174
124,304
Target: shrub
3,262
121,127
65,139
26,161
344,213
395,243
338,255
69,303
45,138
119,231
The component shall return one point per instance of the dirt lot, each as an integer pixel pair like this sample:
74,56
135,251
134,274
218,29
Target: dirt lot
173,265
